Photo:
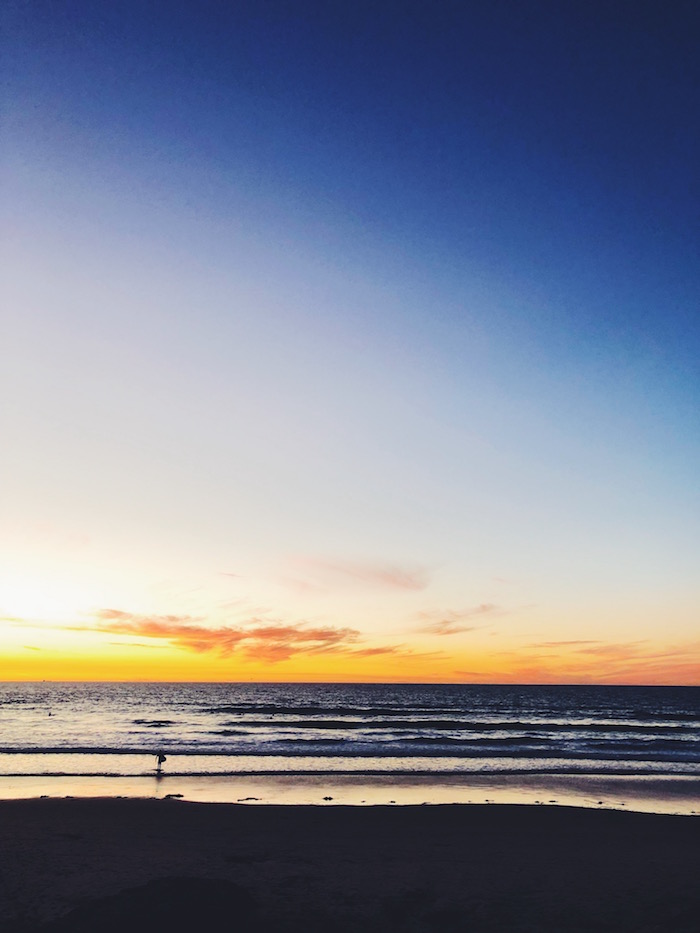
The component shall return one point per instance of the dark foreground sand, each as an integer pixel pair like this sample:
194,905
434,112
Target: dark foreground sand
81,865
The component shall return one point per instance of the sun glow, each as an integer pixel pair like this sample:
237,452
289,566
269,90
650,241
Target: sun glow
42,600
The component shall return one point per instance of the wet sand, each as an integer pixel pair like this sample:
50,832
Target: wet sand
79,865
675,794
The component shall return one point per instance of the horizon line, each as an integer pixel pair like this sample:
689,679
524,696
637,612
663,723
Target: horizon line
351,683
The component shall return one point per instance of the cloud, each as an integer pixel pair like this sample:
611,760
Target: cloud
118,616
597,661
228,604
452,622
312,574
563,644
385,649
301,587
135,644
257,639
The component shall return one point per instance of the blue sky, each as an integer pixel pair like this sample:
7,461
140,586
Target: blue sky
384,288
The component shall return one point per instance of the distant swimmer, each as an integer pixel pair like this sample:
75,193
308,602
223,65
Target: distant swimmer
160,758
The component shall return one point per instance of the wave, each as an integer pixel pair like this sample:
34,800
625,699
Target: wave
226,732
458,725
154,723
332,727
411,748
418,710
586,767
324,709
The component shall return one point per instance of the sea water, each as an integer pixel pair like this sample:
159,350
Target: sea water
68,736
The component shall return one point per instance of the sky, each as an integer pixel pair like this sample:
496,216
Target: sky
350,342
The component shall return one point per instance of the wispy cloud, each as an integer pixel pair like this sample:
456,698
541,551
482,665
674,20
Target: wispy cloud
385,649
597,661
258,638
307,574
154,645
301,587
119,617
564,644
452,622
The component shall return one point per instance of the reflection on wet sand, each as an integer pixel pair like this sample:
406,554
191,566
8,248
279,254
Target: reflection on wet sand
644,794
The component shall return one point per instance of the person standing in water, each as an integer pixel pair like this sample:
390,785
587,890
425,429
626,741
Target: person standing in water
160,758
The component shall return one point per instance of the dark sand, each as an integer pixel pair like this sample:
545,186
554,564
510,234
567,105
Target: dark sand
80,865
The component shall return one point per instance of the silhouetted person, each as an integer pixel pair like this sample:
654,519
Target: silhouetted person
160,758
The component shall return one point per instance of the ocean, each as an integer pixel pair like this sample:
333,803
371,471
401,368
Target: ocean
375,734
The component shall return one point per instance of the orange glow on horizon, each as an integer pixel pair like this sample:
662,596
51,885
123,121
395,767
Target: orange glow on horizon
165,663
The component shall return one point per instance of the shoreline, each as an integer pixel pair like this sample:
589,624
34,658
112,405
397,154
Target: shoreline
76,863
679,795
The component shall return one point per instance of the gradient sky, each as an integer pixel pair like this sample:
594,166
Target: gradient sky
350,341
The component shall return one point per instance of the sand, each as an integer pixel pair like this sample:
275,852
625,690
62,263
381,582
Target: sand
79,865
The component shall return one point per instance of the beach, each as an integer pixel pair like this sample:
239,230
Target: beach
82,864
282,808
678,795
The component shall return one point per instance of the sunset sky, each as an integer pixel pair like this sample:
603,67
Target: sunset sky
350,341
